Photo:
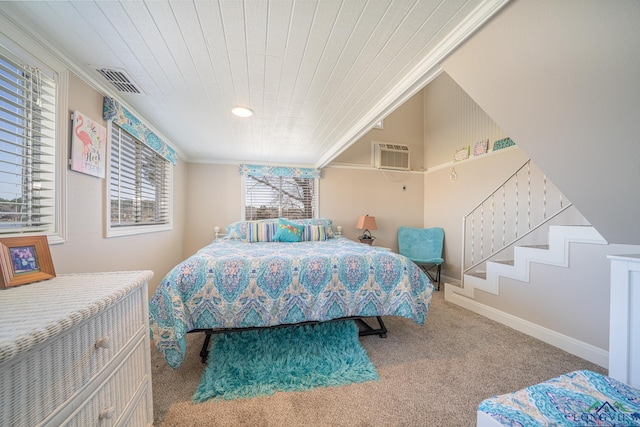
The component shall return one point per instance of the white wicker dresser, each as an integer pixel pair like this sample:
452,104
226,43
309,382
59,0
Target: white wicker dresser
74,350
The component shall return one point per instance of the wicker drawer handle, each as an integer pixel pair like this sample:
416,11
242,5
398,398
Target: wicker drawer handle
107,414
104,342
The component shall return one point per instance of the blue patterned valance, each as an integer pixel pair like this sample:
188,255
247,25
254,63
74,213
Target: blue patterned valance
259,170
119,114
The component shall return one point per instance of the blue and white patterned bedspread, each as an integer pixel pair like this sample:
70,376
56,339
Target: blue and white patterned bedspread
579,398
234,284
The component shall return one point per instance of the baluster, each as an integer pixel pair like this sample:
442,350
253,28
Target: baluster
493,221
544,196
504,216
529,195
473,237
482,231
517,204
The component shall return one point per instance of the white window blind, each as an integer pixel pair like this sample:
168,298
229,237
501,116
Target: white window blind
27,148
278,196
139,183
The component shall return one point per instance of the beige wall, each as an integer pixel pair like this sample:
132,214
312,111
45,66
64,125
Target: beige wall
453,120
447,202
345,194
86,249
213,199
566,90
395,198
559,87
570,301
403,126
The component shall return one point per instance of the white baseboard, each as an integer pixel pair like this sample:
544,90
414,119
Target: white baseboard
571,345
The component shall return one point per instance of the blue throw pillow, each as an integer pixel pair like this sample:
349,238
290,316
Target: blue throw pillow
288,231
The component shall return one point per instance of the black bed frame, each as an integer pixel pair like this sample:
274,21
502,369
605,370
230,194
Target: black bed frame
363,326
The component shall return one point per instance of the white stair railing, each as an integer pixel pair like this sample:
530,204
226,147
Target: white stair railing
518,207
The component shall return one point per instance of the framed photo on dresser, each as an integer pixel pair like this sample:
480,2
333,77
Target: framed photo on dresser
24,260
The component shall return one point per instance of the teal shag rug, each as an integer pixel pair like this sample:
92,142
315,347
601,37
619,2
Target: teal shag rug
293,358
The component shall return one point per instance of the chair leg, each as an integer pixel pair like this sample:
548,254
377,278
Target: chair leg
437,279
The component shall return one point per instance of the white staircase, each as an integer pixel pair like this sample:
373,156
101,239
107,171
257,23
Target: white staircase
555,253
524,224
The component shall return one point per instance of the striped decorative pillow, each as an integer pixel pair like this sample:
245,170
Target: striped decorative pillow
260,231
326,223
314,233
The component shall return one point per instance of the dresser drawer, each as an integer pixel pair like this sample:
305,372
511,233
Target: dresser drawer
118,395
141,411
34,385
110,332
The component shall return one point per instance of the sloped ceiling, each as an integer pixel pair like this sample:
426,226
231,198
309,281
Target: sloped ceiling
318,74
561,78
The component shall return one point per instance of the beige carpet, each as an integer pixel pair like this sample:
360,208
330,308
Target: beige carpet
432,375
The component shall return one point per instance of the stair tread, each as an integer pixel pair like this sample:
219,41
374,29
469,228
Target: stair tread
479,275
543,254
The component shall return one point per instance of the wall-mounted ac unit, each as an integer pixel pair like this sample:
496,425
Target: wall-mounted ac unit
391,156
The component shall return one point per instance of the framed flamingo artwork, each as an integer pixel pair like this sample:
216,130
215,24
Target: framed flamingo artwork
88,146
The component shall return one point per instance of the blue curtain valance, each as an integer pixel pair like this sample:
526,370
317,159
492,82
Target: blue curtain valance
119,114
259,170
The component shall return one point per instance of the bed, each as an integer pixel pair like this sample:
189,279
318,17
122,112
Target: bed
246,279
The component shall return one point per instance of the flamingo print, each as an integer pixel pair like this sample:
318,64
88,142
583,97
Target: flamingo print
84,136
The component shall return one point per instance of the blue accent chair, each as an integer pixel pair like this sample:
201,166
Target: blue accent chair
424,247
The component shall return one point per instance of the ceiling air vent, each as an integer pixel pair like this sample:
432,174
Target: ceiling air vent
391,156
119,79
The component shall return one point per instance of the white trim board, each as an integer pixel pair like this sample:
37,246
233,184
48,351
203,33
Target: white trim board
571,345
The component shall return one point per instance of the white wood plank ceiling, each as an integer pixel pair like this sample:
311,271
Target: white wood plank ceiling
317,73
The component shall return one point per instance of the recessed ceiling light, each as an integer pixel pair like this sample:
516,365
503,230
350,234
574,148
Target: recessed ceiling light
242,111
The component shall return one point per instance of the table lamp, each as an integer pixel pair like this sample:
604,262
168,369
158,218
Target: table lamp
366,223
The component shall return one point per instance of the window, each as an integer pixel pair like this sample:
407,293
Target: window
279,196
139,186
28,179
